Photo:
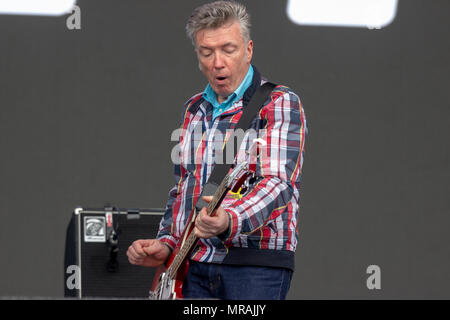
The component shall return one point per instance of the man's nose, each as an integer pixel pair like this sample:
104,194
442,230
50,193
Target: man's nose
218,61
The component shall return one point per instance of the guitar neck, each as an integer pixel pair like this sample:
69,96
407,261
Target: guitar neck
192,239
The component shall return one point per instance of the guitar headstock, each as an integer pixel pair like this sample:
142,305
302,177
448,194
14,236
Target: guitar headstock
244,169
237,172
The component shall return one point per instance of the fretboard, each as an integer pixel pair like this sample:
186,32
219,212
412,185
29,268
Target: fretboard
192,239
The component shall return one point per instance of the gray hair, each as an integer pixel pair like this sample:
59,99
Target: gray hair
217,14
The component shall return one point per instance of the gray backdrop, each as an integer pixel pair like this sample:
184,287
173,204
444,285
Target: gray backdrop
86,117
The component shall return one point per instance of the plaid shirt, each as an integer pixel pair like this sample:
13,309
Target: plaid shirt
265,217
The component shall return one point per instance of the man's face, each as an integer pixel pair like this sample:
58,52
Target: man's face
223,57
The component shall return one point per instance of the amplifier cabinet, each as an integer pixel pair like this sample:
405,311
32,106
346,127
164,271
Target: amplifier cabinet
95,262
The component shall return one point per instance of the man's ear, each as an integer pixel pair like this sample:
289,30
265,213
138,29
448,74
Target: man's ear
249,51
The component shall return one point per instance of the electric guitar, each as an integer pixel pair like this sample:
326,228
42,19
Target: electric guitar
168,280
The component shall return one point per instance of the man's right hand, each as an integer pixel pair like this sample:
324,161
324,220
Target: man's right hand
148,253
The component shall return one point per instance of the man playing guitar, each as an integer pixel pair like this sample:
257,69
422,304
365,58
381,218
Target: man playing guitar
242,245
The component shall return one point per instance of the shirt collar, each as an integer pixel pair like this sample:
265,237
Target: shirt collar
210,96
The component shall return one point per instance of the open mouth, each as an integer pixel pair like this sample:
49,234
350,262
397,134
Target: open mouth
221,81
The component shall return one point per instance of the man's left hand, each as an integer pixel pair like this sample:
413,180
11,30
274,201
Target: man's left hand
209,226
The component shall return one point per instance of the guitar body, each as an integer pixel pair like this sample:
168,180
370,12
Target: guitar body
164,286
175,287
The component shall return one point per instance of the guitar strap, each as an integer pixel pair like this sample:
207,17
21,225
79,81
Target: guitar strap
221,169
